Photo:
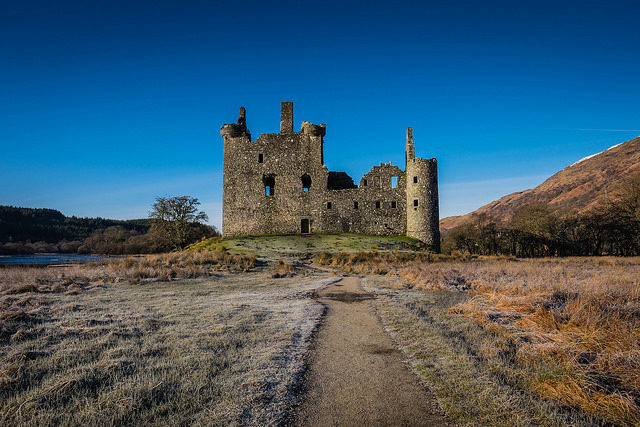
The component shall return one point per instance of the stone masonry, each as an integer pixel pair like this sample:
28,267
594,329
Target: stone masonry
279,184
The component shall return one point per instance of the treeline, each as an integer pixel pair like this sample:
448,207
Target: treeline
51,226
612,228
27,231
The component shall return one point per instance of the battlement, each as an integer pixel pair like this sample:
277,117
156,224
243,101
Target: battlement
313,130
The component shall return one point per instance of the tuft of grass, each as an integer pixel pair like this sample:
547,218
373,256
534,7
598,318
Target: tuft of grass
208,244
282,269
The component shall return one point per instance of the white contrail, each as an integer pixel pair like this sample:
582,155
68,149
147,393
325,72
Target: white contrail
609,130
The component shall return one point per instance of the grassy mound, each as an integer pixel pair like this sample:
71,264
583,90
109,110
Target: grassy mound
309,244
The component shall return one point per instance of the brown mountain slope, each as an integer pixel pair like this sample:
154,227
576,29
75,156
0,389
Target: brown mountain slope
575,188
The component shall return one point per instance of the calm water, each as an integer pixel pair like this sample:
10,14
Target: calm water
45,259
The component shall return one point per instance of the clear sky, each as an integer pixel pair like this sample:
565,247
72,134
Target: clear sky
105,105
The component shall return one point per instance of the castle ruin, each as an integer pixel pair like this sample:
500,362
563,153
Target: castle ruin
279,184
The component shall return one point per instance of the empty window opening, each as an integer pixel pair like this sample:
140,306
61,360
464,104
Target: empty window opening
306,182
415,202
364,182
329,205
260,158
355,205
378,204
415,179
304,226
269,184
393,205
394,181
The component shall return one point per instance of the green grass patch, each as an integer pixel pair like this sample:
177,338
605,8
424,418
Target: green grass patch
309,244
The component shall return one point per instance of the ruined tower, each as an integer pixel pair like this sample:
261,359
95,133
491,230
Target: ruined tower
279,184
422,197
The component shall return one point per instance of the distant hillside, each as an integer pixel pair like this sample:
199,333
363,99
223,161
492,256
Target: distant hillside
576,188
51,226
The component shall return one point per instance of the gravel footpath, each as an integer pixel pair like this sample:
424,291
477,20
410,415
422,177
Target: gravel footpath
356,376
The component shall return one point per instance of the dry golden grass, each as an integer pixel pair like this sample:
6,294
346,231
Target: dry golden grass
282,269
134,269
574,323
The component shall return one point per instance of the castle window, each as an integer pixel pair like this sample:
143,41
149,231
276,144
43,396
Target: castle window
376,181
260,158
415,179
415,202
394,181
306,182
393,205
355,205
377,204
364,182
329,205
269,184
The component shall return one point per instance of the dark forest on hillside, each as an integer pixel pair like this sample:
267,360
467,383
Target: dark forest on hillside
612,228
51,226
28,230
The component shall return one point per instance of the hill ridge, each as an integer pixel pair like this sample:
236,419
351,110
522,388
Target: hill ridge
576,188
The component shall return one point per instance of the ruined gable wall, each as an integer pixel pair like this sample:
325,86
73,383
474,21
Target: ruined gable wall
286,157
248,210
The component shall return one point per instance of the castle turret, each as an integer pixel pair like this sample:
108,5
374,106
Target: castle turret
422,197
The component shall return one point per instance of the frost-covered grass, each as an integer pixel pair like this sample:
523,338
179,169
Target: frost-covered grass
217,351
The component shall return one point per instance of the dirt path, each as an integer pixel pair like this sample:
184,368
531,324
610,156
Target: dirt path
356,376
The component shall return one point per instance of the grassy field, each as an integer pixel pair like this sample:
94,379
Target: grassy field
218,335
222,350
507,341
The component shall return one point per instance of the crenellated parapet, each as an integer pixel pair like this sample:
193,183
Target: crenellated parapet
313,130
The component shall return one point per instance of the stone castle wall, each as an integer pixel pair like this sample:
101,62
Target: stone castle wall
279,184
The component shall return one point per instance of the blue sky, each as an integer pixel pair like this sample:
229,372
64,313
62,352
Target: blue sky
105,105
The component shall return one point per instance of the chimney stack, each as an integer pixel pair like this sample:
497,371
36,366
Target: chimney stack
286,117
410,151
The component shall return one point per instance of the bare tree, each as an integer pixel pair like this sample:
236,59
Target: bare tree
176,219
